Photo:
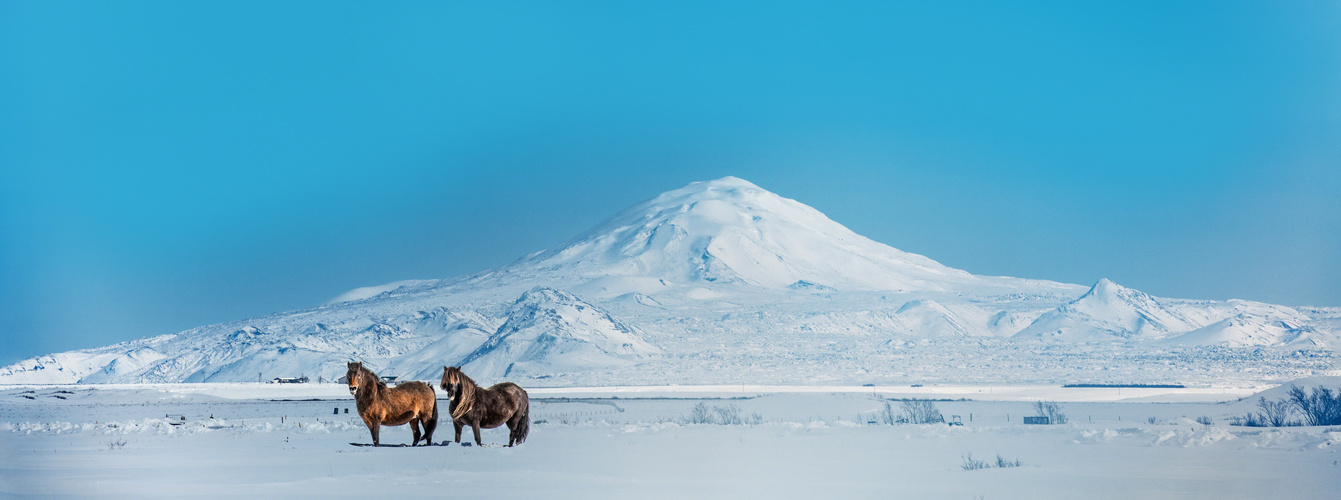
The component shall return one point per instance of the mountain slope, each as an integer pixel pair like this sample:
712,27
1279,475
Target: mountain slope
1253,324
1108,311
723,281
549,331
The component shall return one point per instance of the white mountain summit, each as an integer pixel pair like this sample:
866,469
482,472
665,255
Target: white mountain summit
731,231
725,282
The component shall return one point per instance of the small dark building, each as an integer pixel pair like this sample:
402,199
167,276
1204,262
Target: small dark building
1036,421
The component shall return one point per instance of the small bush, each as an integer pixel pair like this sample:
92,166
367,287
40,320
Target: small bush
701,413
1274,413
921,411
971,464
1204,420
887,416
1001,463
1248,420
727,415
1050,409
1319,406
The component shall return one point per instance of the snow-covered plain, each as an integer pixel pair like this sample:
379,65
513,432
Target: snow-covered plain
230,440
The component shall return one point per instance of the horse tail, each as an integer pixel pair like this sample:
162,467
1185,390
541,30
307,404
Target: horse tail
523,427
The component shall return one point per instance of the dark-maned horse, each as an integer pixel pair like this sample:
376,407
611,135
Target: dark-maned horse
412,402
504,403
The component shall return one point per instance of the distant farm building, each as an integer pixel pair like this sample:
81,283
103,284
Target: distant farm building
1036,421
290,380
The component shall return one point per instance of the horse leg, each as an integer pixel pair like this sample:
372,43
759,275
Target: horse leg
476,427
414,426
371,428
376,428
428,431
458,426
519,424
430,424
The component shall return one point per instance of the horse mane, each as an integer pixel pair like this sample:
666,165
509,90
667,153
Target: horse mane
466,400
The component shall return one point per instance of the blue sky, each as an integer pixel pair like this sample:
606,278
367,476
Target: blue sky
165,165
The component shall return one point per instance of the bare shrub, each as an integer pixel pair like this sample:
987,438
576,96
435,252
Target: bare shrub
971,464
1248,420
1050,409
1001,463
727,415
1204,420
921,411
1319,406
1274,413
701,413
887,416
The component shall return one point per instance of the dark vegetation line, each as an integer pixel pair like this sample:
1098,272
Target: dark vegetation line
1128,386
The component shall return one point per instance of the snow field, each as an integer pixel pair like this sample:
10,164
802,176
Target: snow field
121,442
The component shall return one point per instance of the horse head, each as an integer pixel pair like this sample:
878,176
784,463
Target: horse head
460,389
354,376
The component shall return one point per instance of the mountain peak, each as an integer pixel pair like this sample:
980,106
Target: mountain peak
1106,290
728,182
730,230
1110,310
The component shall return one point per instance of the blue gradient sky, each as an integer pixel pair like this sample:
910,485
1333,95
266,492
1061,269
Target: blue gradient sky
165,165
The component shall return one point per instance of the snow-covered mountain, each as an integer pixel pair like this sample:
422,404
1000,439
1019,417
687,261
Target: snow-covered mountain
731,231
723,281
549,331
1108,311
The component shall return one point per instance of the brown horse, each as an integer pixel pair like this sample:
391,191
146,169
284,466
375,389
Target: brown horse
412,402
504,403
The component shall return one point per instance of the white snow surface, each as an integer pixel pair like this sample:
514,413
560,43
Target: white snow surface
216,440
723,282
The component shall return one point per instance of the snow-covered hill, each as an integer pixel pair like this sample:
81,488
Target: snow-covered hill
1108,311
723,281
550,331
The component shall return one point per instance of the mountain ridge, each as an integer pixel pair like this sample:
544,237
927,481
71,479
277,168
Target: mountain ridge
718,280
